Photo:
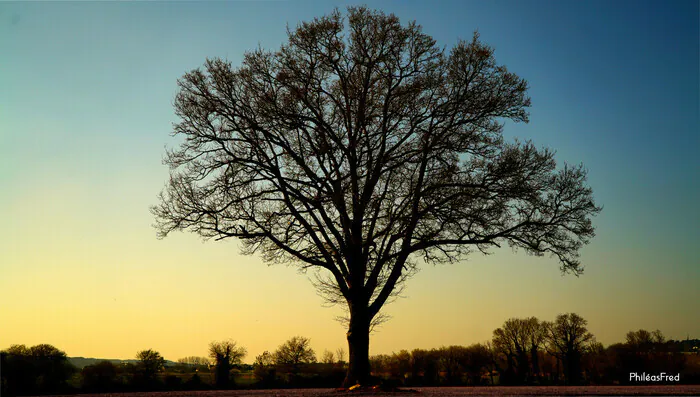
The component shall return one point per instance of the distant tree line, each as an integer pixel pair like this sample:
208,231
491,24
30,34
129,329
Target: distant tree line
527,351
523,351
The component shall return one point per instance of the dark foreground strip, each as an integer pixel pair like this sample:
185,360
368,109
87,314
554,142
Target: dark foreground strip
677,390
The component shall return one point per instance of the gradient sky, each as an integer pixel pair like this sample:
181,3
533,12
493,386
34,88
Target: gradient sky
86,92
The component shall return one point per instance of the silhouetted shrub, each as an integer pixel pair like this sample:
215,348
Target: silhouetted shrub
173,382
99,377
195,383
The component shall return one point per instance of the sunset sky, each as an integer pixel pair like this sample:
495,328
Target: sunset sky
86,93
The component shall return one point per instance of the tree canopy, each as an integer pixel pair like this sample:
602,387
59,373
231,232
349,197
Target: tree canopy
357,150
295,351
150,363
225,355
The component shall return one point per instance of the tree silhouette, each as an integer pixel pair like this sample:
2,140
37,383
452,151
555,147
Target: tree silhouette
328,357
41,368
100,376
263,368
294,352
568,338
453,361
513,341
356,151
519,340
643,340
150,364
536,332
340,355
225,355
194,361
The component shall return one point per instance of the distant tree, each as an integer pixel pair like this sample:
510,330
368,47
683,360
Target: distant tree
477,362
453,362
263,368
39,369
493,360
645,341
340,355
17,372
149,365
225,355
265,359
194,361
513,340
296,350
99,377
380,365
359,151
400,365
328,357
594,362
658,337
536,335
645,351
520,340
53,365
425,367
18,350
567,339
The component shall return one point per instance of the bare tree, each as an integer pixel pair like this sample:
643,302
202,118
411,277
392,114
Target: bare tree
492,355
194,360
399,364
520,340
454,362
266,359
328,357
536,333
512,340
225,355
340,355
295,351
567,339
644,339
357,150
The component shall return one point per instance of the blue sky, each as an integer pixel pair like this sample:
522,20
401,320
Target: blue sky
86,93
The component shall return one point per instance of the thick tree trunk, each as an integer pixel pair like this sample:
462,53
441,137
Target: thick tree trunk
358,346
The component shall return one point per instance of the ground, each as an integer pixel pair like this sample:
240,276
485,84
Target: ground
676,390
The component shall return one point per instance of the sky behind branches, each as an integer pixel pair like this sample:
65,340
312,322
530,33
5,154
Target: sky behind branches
86,93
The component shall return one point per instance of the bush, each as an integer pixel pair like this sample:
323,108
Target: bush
99,377
173,382
195,383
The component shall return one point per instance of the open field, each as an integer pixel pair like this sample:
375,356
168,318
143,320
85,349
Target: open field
674,390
